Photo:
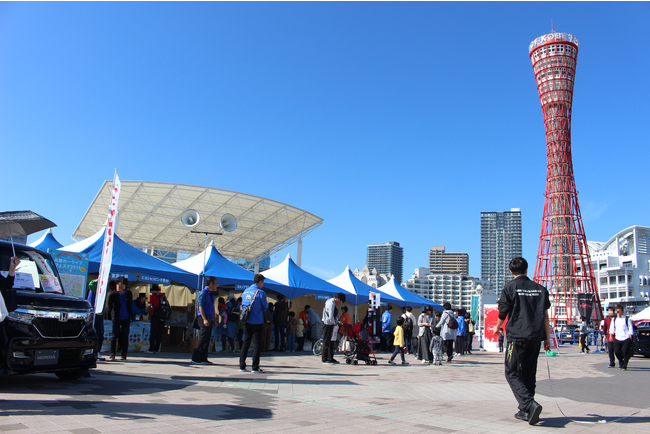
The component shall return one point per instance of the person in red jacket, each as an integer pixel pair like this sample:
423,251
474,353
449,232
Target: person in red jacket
607,323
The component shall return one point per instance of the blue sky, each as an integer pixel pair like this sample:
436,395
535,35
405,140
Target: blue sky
391,121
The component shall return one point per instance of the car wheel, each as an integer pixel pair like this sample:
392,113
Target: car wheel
71,374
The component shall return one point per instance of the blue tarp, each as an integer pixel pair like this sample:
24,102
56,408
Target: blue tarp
127,258
299,281
359,291
226,272
47,241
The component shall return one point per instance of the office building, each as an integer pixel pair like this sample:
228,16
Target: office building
386,259
448,262
500,242
622,269
456,289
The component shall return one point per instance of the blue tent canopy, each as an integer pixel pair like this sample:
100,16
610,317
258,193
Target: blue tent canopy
225,271
47,241
406,297
359,291
127,258
299,281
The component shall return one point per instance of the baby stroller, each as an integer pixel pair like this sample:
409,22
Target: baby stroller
354,348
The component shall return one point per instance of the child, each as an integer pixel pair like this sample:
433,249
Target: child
436,345
291,332
501,340
398,342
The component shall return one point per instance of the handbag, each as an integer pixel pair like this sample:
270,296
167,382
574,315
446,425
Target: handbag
195,324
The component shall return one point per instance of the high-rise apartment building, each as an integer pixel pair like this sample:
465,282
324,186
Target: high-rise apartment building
448,262
500,242
386,259
453,288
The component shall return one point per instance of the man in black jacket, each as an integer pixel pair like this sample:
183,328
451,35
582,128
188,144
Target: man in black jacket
120,303
525,304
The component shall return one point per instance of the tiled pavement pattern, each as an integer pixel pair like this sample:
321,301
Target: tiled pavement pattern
164,394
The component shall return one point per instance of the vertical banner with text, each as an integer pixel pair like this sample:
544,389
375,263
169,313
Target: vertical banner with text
107,247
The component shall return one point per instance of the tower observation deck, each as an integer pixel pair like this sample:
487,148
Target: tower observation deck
562,264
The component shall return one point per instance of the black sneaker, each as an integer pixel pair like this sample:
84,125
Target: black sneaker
611,366
533,414
521,415
335,362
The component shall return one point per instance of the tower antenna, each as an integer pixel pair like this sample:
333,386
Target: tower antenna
552,31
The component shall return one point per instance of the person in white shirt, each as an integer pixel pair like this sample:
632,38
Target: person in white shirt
623,331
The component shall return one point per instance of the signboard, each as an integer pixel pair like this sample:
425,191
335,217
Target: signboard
73,271
491,318
131,277
241,288
154,279
322,297
585,305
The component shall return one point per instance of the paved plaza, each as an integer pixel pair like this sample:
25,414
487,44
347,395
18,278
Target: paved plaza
164,394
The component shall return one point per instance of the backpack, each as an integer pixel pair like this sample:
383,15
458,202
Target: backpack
234,313
452,323
246,310
163,310
408,324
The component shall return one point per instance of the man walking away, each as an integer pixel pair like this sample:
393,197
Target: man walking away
622,330
329,321
525,304
206,322
120,302
255,297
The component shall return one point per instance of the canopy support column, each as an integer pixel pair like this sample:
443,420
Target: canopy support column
299,255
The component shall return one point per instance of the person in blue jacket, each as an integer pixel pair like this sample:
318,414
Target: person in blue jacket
460,334
206,322
255,297
387,330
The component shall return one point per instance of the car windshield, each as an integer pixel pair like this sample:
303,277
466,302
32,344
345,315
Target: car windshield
35,271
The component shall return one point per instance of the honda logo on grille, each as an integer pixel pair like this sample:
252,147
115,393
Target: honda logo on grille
63,316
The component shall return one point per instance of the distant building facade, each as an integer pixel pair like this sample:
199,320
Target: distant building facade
448,262
386,259
622,269
500,242
453,288
372,277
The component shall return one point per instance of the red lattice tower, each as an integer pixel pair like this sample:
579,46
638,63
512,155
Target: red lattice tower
563,264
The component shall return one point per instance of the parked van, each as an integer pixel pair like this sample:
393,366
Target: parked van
46,330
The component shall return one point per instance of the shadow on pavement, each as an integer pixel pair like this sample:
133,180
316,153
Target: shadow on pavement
562,422
138,410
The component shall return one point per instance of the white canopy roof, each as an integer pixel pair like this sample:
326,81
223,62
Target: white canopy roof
149,217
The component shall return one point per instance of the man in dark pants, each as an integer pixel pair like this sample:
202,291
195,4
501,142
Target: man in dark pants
622,330
525,304
157,301
120,303
386,341
607,323
329,321
255,297
280,316
206,322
